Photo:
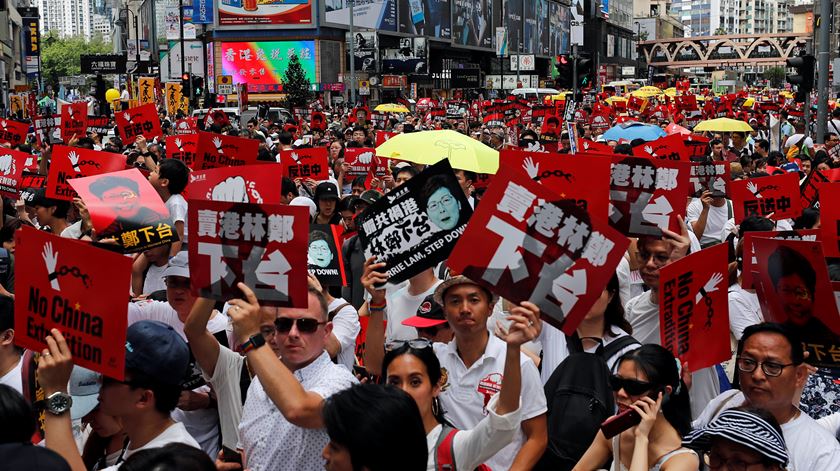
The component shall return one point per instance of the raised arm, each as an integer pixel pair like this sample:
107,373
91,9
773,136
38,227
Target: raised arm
204,346
375,339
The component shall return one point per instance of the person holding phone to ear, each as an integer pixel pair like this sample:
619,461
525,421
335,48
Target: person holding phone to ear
653,416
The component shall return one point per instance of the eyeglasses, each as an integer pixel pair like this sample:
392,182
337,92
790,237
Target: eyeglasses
435,205
125,195
177,282
770,368
799,293
733,464
631,386
417,344
304,325
660,260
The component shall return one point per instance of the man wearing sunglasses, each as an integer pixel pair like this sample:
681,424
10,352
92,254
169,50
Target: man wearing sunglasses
771,374
281,425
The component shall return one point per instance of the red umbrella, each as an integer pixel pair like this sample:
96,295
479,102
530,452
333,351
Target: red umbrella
676,129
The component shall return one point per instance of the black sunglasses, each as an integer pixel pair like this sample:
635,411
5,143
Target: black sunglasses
631,386
304,326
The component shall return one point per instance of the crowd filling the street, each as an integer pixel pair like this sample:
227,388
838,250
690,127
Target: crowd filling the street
639,282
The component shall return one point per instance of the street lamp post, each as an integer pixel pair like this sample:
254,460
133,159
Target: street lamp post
352,56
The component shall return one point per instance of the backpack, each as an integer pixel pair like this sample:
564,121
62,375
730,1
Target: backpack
445,451
579,399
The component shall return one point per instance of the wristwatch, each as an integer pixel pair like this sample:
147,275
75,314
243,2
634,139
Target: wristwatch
56,403
255,341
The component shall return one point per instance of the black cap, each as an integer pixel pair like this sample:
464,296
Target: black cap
326,190
156,350
429,314
370,196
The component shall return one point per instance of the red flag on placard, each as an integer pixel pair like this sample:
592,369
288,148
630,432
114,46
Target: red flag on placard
685,102
138,121
647,195
246,184
667,148
74,120
13,132
306,163
183,148
830,218
12,163
776,197
78,289
186,126
526,243
694,308
750,263
583,179
75,162
219,150
362,160
383,136
261,245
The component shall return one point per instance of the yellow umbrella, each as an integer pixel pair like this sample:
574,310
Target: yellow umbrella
391,108
670,91
723,125
647,92
429,147
614,99
786,94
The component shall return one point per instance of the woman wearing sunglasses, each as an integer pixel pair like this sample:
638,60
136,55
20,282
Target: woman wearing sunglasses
413,367
647,380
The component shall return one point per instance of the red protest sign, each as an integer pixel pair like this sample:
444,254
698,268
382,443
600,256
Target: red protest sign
697,146
186,126
585,145
98,124
47,129
32,180
183,148
383,136
599,122
667,148
775,197
246,184
685,102
12,163
75,162
138,121
694,308
750,263
306,163
125,206
364,159
793,288
13,132
525,243
74,120
809,193
263,246
710,176
830,218
647,195
219,150
77,289
583,179
324,258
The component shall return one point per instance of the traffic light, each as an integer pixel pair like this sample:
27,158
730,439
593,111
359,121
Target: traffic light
585,71
185,84
198,85
804,77
561,71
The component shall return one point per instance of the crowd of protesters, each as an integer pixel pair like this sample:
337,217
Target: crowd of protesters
453,376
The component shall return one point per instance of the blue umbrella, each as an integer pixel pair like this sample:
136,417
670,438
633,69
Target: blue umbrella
634,130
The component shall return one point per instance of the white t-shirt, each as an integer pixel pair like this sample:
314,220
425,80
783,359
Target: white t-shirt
175,433
346,328
225,381
715,221
154,279
177,206
630,283
555,348
13,378
744,310
473,447
468,390
400,306
810,446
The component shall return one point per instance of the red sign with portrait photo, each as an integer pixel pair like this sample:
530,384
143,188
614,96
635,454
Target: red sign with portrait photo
219,150
750,262
694,308
306,163
261,245
74,120
247,184
526,243
78,289
74,162
775,197
138,121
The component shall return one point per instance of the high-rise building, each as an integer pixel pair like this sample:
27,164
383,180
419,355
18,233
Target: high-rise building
726,17
67,18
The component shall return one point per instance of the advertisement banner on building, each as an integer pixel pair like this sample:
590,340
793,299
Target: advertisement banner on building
202,12
472,24
372,14
170,62
425,18
172,24
268,13
576,23
535,21
513,22
410,58
32,37
558,29
262,64
364,51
